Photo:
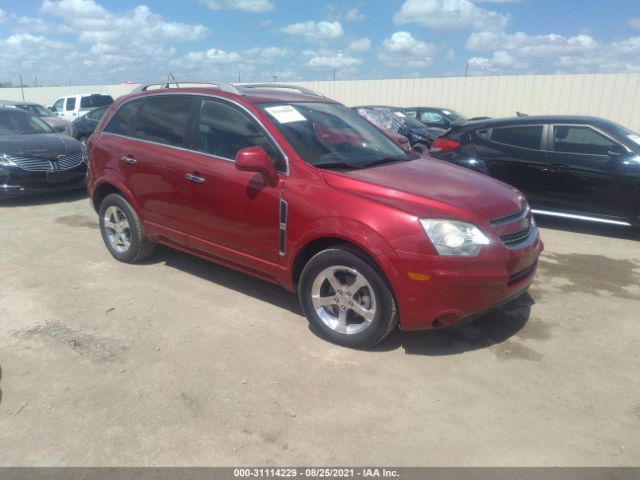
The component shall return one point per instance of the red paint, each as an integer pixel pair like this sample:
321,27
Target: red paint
233,218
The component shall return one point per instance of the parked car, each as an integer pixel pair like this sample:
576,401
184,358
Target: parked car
71,107
36,159
82,127
585,168
299,190
394,120
58,124
435,117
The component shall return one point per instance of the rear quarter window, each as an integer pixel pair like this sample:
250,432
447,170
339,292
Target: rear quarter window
123,121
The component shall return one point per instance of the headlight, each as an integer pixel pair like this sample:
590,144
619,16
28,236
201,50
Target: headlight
6,161
454,238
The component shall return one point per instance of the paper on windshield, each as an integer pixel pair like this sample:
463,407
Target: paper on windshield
285,114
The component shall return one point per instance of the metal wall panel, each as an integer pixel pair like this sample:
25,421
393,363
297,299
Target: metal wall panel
612,96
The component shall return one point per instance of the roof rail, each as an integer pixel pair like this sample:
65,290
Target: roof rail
223,86
279,86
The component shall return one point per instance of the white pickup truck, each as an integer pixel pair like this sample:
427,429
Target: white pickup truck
71,107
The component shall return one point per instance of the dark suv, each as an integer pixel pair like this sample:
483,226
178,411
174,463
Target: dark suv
584,168
300,191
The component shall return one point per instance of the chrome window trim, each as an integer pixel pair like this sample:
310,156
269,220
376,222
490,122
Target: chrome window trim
202,95
579,217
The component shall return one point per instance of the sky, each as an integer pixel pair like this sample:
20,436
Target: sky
60,42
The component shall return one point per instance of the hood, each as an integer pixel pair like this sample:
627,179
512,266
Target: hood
55,122
38,145
428,187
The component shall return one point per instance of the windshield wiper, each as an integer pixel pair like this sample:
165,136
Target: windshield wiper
336,165
384,160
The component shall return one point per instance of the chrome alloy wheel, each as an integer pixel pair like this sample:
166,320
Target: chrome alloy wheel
343,299
117,228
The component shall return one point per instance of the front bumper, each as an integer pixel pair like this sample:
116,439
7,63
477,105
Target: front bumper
15,181
448,290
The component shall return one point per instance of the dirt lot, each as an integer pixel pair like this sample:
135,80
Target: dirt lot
181,362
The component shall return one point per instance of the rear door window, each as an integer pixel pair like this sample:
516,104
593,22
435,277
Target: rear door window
223,130
525,136
581,139
165,119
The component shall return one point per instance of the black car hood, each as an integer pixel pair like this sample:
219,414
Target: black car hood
38,145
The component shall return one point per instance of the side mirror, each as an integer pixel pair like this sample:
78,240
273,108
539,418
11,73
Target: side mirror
616,150
256,159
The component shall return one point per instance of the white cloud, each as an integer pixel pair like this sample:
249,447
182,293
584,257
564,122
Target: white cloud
338,60
213,56
354,15
253,6
519,52
360,45
3,15
315,31
267,54
403,50
634,22
450,15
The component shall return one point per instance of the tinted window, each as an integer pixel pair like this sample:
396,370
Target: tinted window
123,122
71,103
583,140
94,101
96,114
526,136
164,119
223,130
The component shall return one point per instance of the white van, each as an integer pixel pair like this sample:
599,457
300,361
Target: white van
74,106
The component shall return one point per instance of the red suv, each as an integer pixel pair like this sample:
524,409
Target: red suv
300,191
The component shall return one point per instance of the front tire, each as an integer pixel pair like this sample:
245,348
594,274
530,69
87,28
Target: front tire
346,298
122,230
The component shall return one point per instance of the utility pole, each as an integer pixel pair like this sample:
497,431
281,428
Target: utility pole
334,74
238,76
466,69
275,78
21,87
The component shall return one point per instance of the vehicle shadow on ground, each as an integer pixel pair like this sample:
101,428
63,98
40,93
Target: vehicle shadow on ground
43,199
492,328
589,228
227,277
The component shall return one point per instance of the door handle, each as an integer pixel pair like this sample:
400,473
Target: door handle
554,168
194,178
129,160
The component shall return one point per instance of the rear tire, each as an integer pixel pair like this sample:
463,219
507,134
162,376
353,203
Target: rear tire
346,298
122,230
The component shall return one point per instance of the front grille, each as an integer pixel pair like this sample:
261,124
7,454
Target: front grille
510,218
49,164
513,240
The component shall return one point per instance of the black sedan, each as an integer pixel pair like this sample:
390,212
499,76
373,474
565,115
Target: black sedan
82,127
584,168
36,159
393,119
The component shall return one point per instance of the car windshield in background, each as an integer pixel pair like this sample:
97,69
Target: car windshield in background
408,121
330,135
96,101
37,110
625,133
453,116
12,123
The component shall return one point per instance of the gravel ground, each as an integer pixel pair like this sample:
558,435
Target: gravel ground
180,362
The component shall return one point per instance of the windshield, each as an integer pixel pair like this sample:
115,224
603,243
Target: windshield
453,115
37,110
331,135
624,132
12,123
409,121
